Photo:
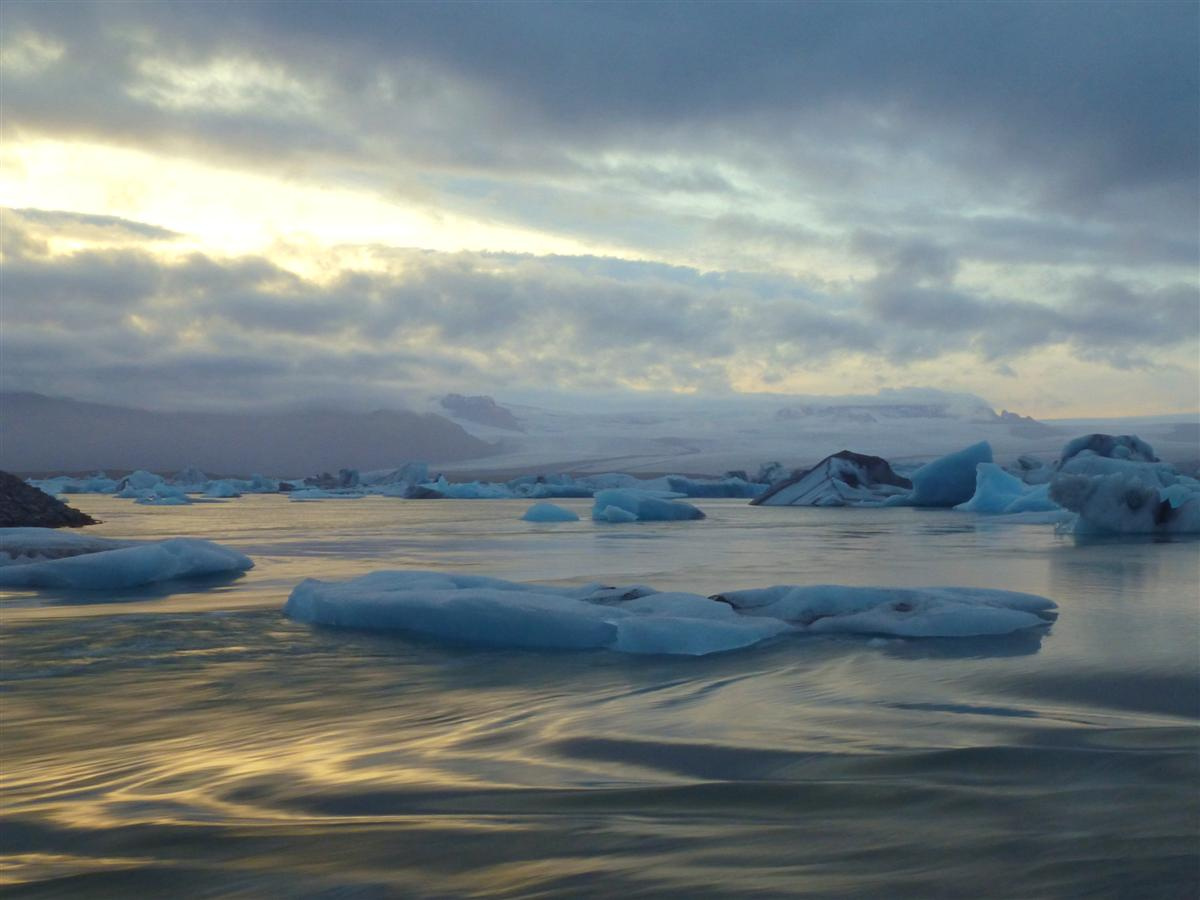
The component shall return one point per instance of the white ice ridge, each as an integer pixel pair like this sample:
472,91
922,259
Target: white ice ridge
45,558
473,609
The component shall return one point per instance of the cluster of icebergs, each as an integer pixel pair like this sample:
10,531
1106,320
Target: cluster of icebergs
1101,484
410,481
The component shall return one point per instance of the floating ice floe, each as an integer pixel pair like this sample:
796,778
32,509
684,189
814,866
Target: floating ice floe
549,512
622,505
843,479
474,609
46,558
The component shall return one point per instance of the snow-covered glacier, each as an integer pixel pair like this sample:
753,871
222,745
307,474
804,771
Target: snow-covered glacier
46,558
473,609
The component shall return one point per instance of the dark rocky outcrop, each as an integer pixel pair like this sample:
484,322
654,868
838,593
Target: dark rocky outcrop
23,506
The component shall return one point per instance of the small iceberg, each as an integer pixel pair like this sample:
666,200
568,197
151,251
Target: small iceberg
44,558
549,512
473,609
627,505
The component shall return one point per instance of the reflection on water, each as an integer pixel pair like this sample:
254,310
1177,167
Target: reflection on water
192,741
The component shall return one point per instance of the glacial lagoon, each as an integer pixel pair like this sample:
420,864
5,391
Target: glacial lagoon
188,734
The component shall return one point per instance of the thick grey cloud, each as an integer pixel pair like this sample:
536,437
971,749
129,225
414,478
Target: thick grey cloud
246,331
1088,111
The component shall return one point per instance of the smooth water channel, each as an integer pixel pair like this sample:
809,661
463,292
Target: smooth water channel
188,740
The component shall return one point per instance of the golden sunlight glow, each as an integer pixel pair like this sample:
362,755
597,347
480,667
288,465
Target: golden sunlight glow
236,212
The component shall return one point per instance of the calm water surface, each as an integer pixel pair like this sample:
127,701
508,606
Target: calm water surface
189,741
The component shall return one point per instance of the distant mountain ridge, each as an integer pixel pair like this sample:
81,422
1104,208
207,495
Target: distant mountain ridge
40,433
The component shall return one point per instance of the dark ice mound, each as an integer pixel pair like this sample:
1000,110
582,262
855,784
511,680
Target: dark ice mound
844,479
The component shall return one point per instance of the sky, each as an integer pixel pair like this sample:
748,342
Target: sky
219,205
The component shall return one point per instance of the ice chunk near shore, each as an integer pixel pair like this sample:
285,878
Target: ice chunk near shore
644,506
844,479
65,484
45,558
949,480
549,512
637,619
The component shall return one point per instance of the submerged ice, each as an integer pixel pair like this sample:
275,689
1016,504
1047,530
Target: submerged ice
474,609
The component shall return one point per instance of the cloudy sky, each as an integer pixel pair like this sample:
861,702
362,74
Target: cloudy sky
222,204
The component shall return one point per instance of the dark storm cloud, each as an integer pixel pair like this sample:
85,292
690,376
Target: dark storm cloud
251,331
1073,107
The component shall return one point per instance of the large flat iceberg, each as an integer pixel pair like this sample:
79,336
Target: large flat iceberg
44,558
473,609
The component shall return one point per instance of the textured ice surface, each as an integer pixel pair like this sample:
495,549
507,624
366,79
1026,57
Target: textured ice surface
1119,446
549,512
906,612
44,557
998,492
1128,502
637,619
950,480
644,506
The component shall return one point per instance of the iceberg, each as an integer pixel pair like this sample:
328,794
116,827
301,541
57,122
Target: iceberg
998,492
222,488
949,480
44,558
643,506
844,479
1120,446
549,512
1116,485
1129,503
472,609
